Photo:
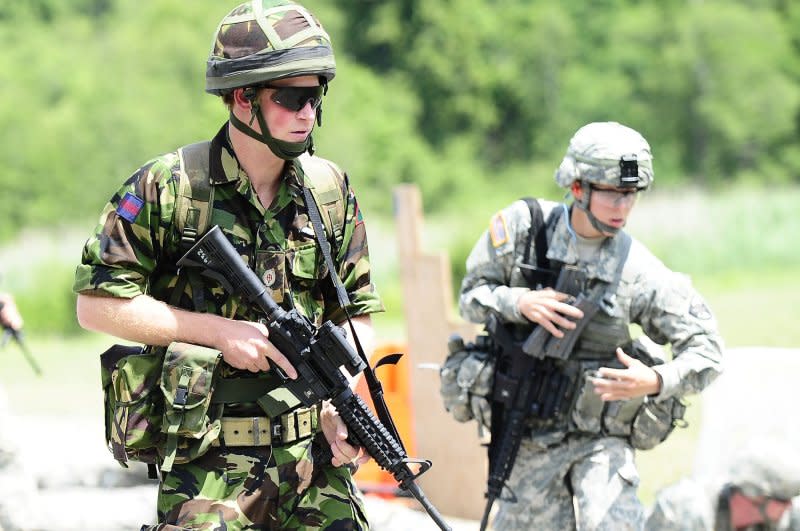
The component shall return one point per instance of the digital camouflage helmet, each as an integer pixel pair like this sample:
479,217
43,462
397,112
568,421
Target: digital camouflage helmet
262,41
608,154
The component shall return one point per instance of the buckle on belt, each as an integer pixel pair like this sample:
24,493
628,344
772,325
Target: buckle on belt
276,431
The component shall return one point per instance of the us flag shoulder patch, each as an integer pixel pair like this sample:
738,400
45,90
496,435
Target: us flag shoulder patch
498,231
129,207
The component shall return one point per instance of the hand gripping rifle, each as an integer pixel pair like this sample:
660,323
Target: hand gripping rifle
530,384
317,355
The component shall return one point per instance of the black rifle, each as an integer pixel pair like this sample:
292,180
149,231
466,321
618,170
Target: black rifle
528,384
16,335
317,355
541,343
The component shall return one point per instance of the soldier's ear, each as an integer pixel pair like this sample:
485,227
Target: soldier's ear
244,97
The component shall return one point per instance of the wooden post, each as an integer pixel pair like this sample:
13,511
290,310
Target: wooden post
457,481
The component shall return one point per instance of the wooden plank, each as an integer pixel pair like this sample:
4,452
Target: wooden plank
456,482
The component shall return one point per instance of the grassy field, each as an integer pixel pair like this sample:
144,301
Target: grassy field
747,268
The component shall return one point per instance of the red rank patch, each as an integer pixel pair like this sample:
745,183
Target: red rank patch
129,207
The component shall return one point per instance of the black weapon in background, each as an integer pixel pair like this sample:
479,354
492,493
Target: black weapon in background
528,384
317,355
10,333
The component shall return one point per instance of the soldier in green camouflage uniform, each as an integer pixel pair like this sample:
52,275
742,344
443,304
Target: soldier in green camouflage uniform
271,62
575,461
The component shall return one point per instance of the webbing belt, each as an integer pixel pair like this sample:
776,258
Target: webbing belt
242,390
262,431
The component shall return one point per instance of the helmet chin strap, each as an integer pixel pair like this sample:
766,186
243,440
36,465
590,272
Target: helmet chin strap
596,223
281,148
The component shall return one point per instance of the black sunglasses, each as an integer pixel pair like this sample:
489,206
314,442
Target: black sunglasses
295,98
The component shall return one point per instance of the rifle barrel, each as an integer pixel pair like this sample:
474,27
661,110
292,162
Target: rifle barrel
16,335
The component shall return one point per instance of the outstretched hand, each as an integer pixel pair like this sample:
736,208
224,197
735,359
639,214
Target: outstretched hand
547,308
635,380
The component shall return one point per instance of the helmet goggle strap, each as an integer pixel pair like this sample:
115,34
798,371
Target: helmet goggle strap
281,148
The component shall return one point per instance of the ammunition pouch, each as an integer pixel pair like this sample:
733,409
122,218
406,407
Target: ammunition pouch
187,382
165,406
466,380
643,421
134,408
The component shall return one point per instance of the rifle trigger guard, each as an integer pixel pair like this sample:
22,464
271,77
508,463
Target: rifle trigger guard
424,466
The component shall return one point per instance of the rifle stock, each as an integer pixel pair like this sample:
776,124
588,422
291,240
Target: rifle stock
317,355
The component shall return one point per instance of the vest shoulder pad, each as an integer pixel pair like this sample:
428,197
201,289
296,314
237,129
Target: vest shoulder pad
195,193
326,181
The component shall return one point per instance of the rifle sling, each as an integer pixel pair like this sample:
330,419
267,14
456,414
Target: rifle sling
373,384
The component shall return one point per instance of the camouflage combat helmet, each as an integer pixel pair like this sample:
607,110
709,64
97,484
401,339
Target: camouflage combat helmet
609,154
262,41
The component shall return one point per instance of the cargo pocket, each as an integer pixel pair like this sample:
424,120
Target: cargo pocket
655,421
307,269
454,396
588,409
629,474
619,415
187,383
133,406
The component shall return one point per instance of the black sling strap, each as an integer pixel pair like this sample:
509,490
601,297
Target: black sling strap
542,271
373,384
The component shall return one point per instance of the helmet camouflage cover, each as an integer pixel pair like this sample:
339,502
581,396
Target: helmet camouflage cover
607,153
264,40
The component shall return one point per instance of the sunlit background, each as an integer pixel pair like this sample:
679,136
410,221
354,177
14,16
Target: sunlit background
473,101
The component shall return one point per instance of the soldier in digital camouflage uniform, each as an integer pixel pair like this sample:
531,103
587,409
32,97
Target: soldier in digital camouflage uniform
271,62
569,474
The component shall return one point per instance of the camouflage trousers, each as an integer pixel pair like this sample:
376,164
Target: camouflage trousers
584,483
259,488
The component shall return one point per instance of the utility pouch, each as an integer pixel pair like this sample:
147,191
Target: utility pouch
187,382
466,380
133,406
654,421
619,414
587,410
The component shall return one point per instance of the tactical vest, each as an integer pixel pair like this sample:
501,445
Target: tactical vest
642,421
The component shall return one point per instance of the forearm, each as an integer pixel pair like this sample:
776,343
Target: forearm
478,302
144,319
693,368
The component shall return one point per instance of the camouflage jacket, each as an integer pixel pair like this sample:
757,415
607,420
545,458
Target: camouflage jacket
662,302
135,246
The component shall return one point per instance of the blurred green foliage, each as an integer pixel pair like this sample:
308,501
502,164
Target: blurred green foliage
473,101
464,97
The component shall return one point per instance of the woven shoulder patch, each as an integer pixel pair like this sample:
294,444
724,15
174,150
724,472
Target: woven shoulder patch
498,231
129,207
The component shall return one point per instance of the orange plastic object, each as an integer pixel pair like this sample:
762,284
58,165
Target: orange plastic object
396,392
